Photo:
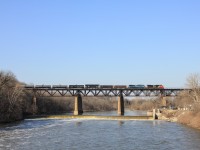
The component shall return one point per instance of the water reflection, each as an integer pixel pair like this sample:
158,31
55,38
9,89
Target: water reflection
156,122
120,123
78,123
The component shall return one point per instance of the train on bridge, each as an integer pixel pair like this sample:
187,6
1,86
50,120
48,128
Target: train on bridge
96,86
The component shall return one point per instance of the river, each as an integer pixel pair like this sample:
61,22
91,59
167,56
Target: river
84,134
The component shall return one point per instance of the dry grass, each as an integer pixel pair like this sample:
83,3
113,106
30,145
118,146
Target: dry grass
185,117
169,113
195,121
190,118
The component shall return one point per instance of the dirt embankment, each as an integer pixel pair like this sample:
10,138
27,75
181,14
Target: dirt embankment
189,118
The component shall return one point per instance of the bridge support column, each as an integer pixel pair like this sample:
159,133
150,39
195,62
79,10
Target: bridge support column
121,105
154,114
34,105
164,101
34,101
78,110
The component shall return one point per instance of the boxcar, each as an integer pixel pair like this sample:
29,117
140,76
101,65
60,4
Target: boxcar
60,86
76,86
120,86
91,85
43,86
106,86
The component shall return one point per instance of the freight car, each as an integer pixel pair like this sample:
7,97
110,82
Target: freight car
155,86
43,86
139,86
92,86
59,86
119,86
106,86
76,86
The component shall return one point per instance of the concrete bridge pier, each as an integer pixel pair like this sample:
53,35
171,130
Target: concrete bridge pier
121,105
154,114
34,105
164,101
34,101
78,109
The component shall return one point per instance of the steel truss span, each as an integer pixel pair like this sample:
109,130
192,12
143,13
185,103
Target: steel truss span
67,92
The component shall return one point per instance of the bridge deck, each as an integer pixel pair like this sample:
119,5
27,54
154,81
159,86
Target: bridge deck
146,92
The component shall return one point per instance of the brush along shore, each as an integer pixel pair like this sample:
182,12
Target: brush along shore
189,118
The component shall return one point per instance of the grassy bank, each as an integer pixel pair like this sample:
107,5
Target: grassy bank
189,118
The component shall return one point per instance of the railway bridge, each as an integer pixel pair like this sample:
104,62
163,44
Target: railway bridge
109,91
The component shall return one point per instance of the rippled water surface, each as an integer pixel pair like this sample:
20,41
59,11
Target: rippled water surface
98,135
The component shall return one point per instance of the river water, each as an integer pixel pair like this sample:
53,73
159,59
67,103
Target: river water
84,134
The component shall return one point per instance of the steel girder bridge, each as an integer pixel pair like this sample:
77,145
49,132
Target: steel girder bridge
67,92
78,93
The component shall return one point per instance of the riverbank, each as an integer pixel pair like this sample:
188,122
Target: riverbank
189,118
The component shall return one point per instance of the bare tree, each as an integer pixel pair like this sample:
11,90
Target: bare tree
193,82
183,100
7,79
11,96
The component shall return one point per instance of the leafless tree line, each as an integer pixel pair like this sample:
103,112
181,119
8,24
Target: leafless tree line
54,105
193,82
190,99
11,97
144,104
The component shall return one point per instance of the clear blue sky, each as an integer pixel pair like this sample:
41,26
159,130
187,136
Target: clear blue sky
100,41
